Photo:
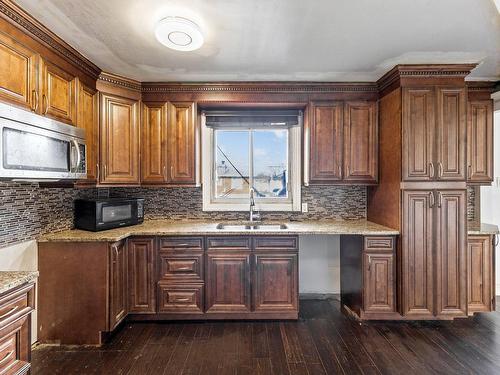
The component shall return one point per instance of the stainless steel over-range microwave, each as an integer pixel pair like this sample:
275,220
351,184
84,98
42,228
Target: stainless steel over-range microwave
33,147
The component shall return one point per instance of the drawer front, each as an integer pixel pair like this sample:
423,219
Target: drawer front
180,299
14,306
181,266
379,243
8,351
278,243
181,243
229,243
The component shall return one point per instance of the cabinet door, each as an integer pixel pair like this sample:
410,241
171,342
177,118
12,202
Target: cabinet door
117,284
451,134
228,282
451,252
18,76
326,142
153,143
378,285
181,144
418,134
275,286
480,274
119,140
58,94
141,280
360,142
480,141
417,253
87,119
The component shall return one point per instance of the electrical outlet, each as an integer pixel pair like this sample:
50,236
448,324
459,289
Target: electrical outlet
304,207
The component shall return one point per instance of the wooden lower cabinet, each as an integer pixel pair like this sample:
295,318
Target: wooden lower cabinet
117,283
275,286
16,306
228,282
480,274
141,275
368,276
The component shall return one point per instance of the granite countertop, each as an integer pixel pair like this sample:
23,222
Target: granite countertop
484,229
12,279
192,227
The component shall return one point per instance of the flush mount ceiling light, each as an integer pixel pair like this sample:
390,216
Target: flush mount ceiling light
179,33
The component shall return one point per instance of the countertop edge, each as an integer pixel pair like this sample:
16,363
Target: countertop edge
12,279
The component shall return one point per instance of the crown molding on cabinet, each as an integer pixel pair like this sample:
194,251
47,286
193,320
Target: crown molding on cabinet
16,16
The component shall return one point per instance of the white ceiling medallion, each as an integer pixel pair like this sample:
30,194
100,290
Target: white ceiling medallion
179,33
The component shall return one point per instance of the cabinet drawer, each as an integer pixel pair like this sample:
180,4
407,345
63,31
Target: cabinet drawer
379,243
270,243
228,243
8,351
180,299
181,243
14,305
181,266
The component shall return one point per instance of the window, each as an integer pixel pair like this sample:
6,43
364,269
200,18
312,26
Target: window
259,150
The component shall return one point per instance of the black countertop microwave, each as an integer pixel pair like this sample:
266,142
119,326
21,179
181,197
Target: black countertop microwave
107,213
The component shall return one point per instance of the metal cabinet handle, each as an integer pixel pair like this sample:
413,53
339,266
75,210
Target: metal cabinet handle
10,312
172,172
97,169
440,199
45,103
165,172
105,171
183,269
340,170
34,99
469,172
369,263
7,356
496,240
431,199
431,167
182,299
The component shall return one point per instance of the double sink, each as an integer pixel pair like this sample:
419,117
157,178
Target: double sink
251,226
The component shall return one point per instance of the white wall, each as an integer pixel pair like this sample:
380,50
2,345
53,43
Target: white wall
490,195
319,264
22,257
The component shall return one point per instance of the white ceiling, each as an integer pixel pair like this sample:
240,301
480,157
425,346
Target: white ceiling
293,40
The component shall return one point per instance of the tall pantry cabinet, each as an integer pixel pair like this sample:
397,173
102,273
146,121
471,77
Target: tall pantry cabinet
423,172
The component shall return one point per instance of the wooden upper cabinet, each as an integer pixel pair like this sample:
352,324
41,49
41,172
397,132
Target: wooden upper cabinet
480,141
153,144
418,134
451,134
119,140
87,119
181,153
417,253
480,274
326,143
360,142
58,93
451,253
18,75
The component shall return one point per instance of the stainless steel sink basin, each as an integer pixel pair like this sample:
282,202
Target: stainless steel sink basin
251,226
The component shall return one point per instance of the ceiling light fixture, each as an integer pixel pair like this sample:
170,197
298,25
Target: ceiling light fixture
179,33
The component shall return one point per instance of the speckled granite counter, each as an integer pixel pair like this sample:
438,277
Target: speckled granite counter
11,279
484,229
191,227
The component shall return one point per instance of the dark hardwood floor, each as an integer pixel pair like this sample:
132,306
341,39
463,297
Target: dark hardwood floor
323,341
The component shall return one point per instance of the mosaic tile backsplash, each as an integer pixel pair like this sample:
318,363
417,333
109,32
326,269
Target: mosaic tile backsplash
27,210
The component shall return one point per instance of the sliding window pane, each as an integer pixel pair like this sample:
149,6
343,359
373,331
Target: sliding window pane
232,163
270,163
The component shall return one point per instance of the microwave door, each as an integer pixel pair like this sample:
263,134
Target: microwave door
117,215
31,152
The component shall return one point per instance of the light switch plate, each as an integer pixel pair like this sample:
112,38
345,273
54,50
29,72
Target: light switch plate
304,207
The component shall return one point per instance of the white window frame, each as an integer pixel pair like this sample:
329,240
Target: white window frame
292,203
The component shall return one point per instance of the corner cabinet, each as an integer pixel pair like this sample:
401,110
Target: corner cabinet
119,140
168,143
343,142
